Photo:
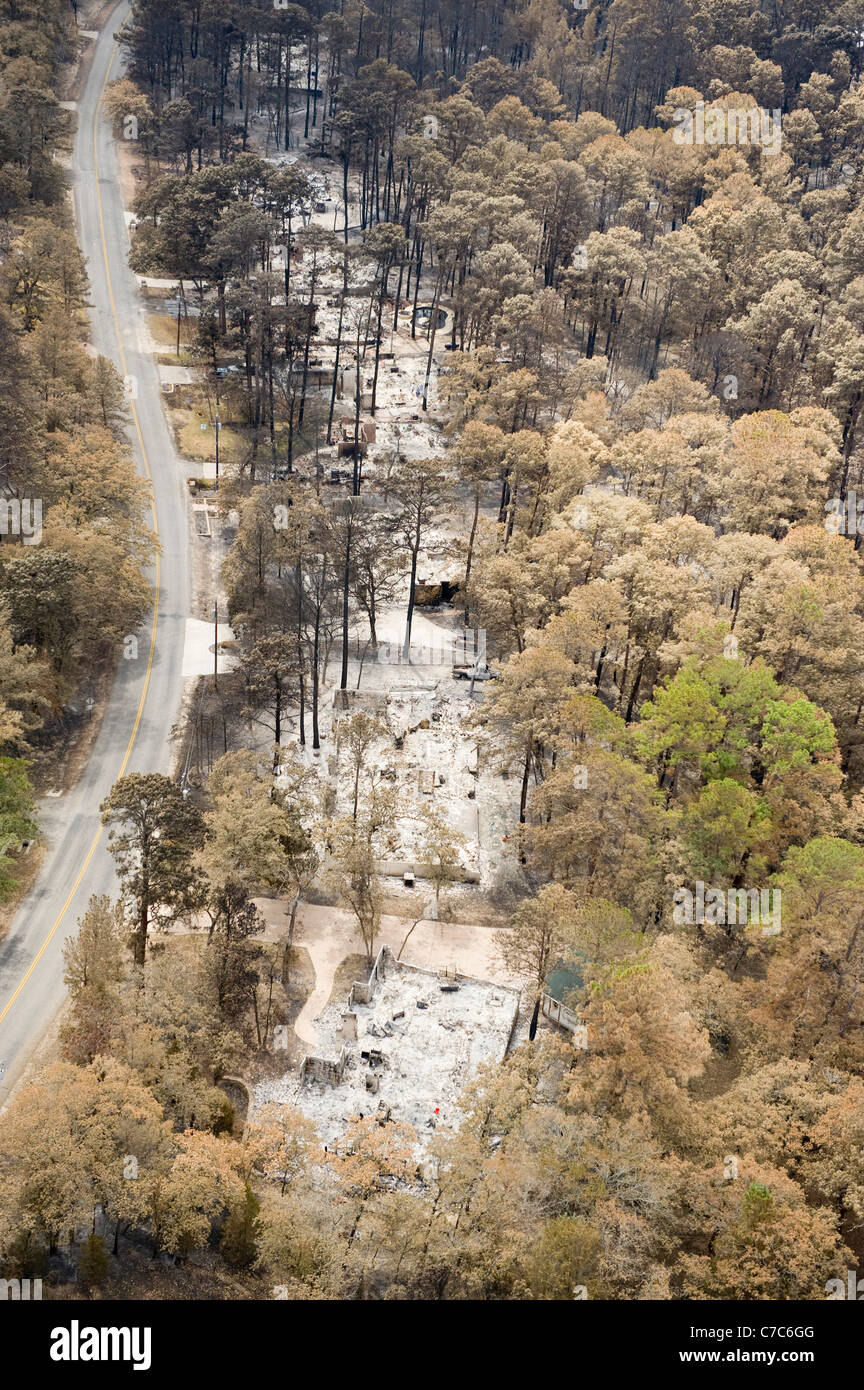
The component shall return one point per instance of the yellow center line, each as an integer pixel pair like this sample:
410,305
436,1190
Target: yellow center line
81,872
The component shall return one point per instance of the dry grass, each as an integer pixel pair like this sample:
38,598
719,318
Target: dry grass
199,444
25,869
353,967
164,330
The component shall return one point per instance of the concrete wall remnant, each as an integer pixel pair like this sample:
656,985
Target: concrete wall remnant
323,1069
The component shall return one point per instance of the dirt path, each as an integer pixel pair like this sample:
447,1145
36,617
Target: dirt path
329,934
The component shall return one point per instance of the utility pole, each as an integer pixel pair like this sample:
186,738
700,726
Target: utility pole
215,646
218,426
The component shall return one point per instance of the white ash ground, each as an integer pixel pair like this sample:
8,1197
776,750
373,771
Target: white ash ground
428,1055
439,765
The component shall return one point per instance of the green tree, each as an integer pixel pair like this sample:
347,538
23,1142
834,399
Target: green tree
154,832
239,1243
93,1262
17,818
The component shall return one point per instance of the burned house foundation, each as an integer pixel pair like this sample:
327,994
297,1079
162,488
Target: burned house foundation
403,1046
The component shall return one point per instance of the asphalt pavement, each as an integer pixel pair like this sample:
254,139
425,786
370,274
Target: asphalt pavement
135,735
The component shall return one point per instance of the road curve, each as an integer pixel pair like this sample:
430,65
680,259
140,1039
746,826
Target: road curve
136,730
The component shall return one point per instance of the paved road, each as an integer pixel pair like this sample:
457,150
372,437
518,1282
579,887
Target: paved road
135,733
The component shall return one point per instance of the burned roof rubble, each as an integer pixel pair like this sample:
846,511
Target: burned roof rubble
402,1046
